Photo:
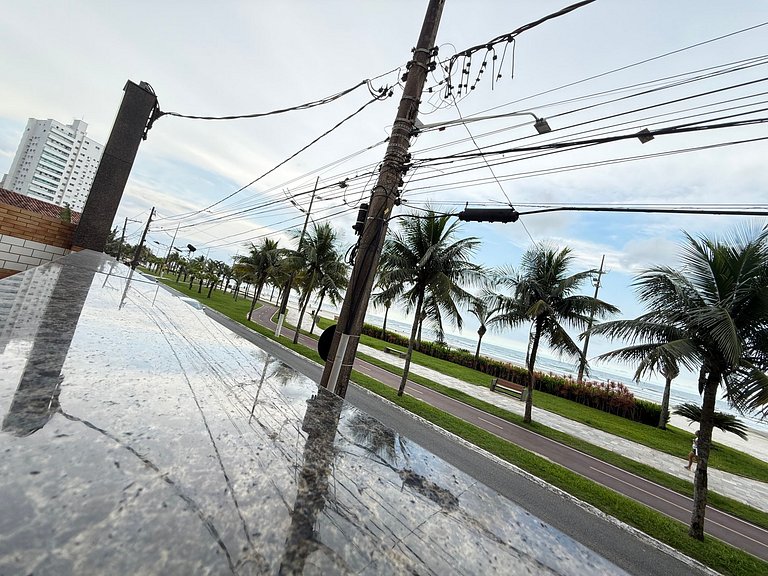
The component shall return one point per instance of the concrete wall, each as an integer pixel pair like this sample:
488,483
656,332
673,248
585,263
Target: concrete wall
28,239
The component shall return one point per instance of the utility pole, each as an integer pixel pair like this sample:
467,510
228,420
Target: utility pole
346,338
122,237
137,253
165,264
287,289
583,361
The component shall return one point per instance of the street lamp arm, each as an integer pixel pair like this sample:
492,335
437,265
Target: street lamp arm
442,125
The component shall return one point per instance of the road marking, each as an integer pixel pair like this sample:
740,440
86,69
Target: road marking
491,423
680,507
638,489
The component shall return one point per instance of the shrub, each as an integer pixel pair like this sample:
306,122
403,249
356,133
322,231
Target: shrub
612,397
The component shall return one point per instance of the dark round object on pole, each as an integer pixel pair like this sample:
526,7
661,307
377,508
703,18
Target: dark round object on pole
324,343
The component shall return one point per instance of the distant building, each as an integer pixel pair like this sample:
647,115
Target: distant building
55,163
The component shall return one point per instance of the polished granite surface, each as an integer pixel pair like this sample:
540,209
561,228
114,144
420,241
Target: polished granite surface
141,437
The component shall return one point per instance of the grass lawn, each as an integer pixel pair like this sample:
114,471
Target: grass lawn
712,552
672,441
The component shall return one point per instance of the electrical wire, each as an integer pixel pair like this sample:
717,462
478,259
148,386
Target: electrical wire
305,106
292,156
626,67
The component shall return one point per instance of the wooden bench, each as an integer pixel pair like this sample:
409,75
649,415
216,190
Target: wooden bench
513,389
395,352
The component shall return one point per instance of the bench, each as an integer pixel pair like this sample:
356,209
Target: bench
511,388
395,352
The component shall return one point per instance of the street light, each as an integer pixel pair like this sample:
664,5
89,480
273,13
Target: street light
540,124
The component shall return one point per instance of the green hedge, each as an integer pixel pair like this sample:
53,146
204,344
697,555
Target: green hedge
611,397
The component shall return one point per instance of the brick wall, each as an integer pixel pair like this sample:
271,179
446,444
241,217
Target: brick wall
28,239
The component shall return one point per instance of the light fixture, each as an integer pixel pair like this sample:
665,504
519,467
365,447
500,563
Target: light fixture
644,135
542,126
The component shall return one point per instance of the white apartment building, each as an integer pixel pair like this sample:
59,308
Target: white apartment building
55,163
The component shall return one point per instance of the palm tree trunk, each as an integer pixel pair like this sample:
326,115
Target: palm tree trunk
532,374
211,286
304,305
665,404
418,336
414,329
384,327
314,316
480,334
253,305
258,291
200,286
700,489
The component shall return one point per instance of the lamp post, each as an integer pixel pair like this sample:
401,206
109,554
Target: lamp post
540,124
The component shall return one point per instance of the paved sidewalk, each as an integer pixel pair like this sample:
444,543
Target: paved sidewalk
742,489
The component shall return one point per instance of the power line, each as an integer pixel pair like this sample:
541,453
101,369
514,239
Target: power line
581,166
680,129
626,67
305,106
292,156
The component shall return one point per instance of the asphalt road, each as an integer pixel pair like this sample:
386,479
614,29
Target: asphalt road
626,549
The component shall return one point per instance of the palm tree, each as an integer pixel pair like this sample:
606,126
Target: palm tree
719,303
723,421
195,269
331,284
259,263
320,257
386,294
486,316
649,356
426,262
544,295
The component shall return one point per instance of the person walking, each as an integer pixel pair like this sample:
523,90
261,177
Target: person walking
694,453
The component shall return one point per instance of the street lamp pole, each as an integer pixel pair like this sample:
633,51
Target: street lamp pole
583,360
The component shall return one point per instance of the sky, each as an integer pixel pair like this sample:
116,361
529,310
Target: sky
613,67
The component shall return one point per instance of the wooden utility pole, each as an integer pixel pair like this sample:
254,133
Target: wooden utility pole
346,338
583,361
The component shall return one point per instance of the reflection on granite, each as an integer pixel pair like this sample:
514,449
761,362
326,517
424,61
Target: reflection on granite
138,436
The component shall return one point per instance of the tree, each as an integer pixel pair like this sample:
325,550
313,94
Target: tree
423,261
721,420
259,263
718,301
386,295
330,286
486,315
319,258
195,269
649,356
543,293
